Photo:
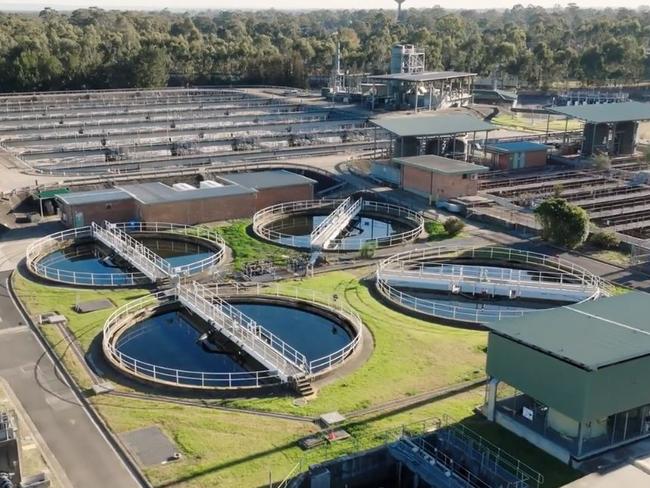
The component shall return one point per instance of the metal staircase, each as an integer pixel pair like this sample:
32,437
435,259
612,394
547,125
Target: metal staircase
261,344
132,251
335,223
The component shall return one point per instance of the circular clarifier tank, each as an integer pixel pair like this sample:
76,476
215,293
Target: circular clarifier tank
174,347
295,224
482,285
74,257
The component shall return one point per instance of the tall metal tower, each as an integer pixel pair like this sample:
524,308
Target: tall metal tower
399,9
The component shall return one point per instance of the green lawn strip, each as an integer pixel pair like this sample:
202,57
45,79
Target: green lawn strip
220,449
64,351
611,256
39,299
411,356
247,249
524,123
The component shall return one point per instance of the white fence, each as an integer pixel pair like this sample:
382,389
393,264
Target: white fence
440,309
263,219
40,249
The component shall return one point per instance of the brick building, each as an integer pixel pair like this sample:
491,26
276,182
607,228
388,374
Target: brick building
516,155
233,196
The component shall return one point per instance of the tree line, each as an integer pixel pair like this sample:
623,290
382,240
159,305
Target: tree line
94,48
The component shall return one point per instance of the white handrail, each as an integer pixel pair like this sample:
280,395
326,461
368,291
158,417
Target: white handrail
263,218
325,363
120,320
44,246
257,341
439,309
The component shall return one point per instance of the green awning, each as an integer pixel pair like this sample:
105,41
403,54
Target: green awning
47,194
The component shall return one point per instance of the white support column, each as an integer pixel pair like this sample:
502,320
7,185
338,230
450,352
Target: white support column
491,399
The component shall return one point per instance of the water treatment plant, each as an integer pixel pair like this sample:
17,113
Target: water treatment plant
375,281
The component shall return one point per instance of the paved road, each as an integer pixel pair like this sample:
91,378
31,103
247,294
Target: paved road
72,437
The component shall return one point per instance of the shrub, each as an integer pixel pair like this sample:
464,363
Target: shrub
604,239
562,223
602,162
453,226
435,230
367,251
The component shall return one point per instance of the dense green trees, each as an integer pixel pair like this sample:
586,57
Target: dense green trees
107,49
562,223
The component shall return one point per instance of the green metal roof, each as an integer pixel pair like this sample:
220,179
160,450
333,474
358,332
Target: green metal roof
441,165
45,194
606,112
432,125
590,335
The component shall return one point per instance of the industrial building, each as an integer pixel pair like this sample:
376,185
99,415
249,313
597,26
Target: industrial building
437,178
407,85
610,128
516,155
573,381
232,196
441,135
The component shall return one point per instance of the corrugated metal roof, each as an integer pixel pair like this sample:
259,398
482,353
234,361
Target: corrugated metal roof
432,125
45,194
441,165
93,196
150,193
590,335
516,147
606,112
268,179
425,76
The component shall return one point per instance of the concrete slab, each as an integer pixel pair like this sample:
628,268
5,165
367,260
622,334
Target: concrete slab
149,445
624,476
93,305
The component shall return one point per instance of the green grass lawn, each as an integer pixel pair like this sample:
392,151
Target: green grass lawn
247,249
521,122
410,356
225,449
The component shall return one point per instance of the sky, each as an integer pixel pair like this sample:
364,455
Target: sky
297,4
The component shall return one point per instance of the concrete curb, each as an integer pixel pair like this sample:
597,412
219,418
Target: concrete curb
56,470
112,439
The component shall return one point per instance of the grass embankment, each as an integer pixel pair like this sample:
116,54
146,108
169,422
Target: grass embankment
410,356
247,249
40,299
535,124
224,449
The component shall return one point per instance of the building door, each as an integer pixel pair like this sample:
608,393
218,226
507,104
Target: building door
518,160
78,219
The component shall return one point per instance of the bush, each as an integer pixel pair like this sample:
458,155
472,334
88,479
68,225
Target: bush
562,223
602,162
604,239
435,230
367,251
453,226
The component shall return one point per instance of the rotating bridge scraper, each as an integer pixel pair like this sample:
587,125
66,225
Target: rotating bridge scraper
334,224
259,343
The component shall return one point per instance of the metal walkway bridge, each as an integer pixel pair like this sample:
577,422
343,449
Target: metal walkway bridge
492,281
133,251
261,344
334,224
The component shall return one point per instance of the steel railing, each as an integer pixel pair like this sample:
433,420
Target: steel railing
323,364
276,213
335,223
439,309
122,319
40,249
256,340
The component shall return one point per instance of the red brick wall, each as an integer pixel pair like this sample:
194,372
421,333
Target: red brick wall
119,211
272,196
199,211
536,159
437,185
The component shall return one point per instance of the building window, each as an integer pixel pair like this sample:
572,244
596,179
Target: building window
109,206
465,176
